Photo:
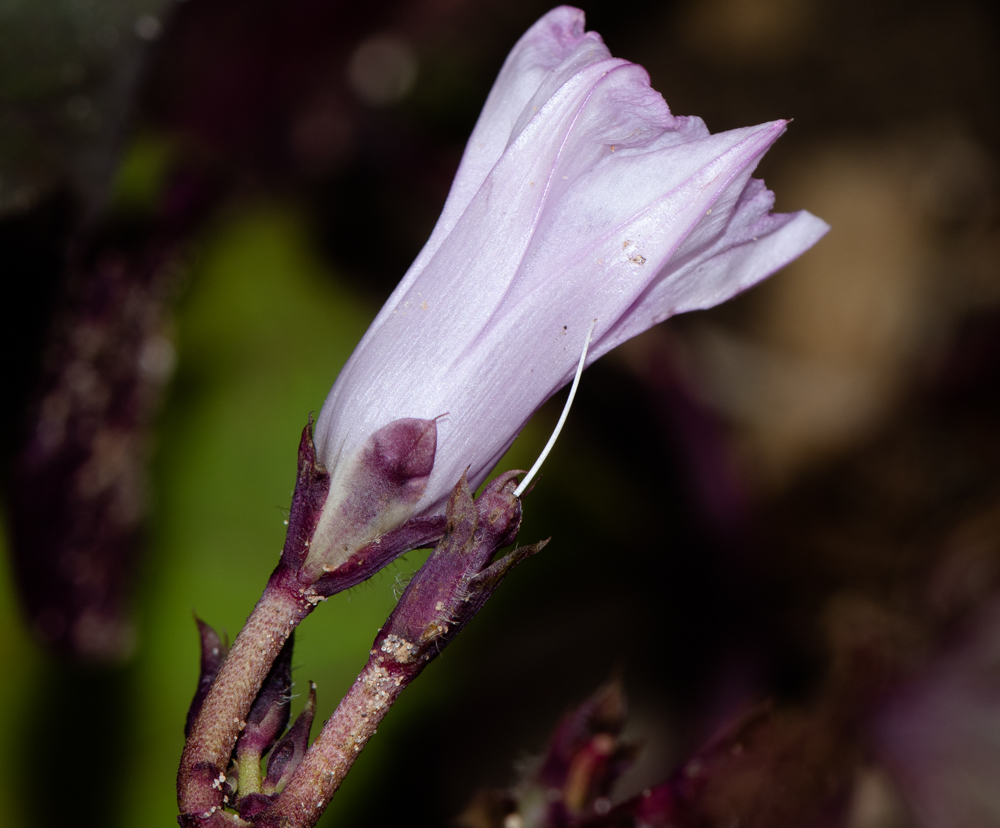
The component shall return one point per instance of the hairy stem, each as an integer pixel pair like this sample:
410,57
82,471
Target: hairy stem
250,777
339,744
223,714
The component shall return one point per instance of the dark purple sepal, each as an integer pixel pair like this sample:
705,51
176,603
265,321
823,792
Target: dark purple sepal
269,715
288,752
417,533
312,485
457,578
213,653
481,586
373,491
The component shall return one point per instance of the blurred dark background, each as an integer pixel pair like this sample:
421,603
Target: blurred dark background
793,497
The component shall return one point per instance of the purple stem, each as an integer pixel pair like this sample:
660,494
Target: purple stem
443,596
223,714
388,671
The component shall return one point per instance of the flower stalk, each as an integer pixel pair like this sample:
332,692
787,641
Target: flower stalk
448,590
390,472
223,713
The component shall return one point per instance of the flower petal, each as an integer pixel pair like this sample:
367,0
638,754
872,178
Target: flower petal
580,197
551,50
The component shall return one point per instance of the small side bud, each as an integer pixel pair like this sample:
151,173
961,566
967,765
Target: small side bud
500,510
266,721
288,753
213,653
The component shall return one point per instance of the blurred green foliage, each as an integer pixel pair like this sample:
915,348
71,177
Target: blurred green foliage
141,178
19,663
67,71
260,336
261,332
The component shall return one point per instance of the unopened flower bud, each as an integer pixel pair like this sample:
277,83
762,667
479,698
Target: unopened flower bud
586,757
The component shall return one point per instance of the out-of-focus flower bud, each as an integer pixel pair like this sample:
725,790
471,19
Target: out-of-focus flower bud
585,757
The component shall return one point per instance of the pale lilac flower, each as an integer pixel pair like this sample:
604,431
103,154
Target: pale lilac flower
579,197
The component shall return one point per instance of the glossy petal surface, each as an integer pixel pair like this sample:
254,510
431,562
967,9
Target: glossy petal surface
580,197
